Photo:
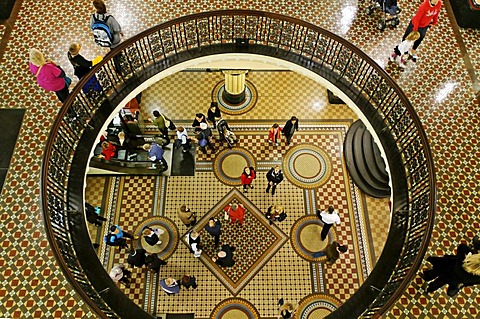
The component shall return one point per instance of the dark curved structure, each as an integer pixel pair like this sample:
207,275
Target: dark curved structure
364,162
153,51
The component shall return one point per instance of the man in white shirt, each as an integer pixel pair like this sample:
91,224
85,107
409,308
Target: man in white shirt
328,218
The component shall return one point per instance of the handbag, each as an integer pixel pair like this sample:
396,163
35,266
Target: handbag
169,124
202,142
226,216
68,81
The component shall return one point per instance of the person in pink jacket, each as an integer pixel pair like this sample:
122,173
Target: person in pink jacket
49,75
426,17
274,134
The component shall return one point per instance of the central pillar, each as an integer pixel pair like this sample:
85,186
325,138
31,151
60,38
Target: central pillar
234,92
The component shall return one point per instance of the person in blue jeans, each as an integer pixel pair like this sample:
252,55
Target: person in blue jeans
155,154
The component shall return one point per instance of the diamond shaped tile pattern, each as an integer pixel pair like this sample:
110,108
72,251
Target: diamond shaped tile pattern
438,86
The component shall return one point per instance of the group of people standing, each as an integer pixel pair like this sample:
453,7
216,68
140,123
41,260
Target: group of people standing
51,77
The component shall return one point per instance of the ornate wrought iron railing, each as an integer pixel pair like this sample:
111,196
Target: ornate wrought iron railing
380,99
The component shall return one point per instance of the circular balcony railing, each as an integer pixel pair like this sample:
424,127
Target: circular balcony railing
379,98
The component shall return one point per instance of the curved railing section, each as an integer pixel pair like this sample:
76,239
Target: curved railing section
380,99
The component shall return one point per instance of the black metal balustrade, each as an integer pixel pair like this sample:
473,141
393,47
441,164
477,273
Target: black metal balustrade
155,50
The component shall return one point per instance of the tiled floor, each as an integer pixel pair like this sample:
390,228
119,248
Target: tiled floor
439,87
326,129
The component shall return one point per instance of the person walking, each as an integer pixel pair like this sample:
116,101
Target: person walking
119,233
107,31
274,177
204,136
214,228
247,177
49,75
189,281
332,251
118,273
275,213
289,128
92,216
456,271
274,134
154,263
199,118
82,66
136,258
328,218
163,124
236,212
287,310
170,286
152,235
425,18
214,114
400,52
186,215
183,139
193,239
225,256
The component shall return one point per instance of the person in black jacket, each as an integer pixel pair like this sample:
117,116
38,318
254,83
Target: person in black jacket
225,257
214,113
214,229
154,263
204,136
289,128
456,271
92,216
274,177
82,66
189,281
136,258
199,118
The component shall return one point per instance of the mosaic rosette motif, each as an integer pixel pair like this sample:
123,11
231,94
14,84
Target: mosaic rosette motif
235,308
251,96
169,238
255,242
229,164
305,237
316,306
307,166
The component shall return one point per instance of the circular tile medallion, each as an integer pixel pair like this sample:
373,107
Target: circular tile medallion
235,308
305,238
235,109
169,237
317,306
307,166
229,164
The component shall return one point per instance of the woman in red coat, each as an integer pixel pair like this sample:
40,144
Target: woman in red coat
247,178
236,212
274,134
108,150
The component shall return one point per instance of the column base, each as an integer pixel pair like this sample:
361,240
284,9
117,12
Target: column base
233,98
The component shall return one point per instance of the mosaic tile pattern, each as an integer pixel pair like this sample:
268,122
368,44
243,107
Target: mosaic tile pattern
438,86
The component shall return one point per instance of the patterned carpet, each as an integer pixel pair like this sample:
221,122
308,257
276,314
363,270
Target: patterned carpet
255,242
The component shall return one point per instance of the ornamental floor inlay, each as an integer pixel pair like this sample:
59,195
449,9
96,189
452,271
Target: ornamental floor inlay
250,101
229,164
307,166
255,242
235,308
